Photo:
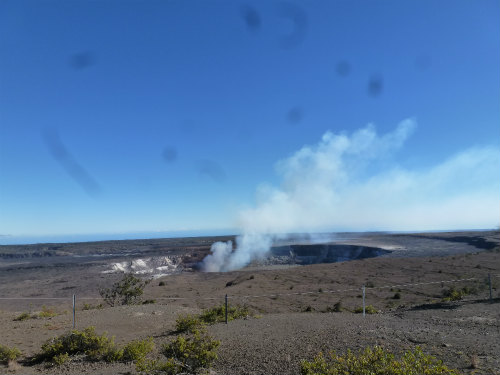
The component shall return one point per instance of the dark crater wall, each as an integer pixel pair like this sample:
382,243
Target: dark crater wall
327,253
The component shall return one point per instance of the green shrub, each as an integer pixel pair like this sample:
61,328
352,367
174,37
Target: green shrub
138,350
396,296
185,354
162,283
86,342
187,323
23,316
217,314
375,361
452,294
368,310
149,302
336,307
193,352
47,313
8,354
60,359
168,367
127,291
88,306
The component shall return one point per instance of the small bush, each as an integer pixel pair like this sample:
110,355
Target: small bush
375,361
60,359
138,350
47,313
368,310
88,306
369,284
187,323
149,302
127,291
217,314
168,367
338,307
192,352
8,354
85,342
162,283
22,317
185,354
397,296
453,294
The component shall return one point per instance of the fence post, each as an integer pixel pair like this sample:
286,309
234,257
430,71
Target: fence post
74,311
226,308
363,301
489,283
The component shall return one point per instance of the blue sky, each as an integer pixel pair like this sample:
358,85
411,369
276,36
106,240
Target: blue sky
122,118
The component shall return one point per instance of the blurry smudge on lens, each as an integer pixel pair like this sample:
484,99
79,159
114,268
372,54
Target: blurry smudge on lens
375,85
82,60
212,170
298,17
64,157
294,115
343,68
169,154
251,17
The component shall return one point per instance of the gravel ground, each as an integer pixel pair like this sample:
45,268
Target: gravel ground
458,333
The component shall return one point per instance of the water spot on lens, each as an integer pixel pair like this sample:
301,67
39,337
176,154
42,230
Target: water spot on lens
375,85
72,167
343,68
82,60
298,17
251,17
294,115
169,154
212,170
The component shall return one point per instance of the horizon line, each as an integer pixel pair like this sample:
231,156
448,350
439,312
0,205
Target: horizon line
136,236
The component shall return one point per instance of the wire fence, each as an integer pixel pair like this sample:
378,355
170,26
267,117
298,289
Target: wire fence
486,281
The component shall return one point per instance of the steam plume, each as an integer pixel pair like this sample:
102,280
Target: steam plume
351,183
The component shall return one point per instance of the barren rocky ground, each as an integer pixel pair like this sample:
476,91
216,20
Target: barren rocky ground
291,303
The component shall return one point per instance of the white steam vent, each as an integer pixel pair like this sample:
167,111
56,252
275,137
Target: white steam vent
355,183
154,266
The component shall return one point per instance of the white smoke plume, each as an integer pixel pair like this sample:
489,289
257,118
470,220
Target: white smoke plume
351,183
